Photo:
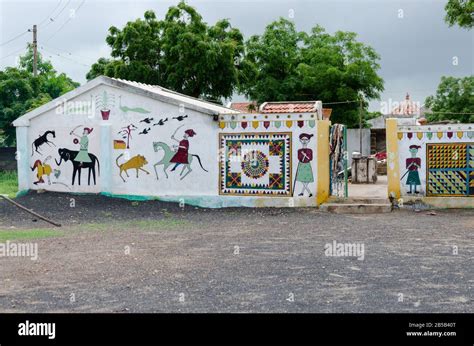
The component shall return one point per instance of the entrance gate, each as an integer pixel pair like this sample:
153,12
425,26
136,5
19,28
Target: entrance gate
338,161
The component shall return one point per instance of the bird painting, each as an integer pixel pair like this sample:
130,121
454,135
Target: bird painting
144,131
161,122
181,117
147,120
127,109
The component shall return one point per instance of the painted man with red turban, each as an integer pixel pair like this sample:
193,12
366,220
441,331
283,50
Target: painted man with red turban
181,156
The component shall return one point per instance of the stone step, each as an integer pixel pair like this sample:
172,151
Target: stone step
358,200
356,208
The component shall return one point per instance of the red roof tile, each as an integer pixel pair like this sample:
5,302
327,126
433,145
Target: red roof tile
289,107
244,107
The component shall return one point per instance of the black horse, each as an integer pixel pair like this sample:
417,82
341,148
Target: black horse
42,140
66,155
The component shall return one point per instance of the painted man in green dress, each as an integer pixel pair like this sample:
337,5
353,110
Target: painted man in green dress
304,172
83,154
413,164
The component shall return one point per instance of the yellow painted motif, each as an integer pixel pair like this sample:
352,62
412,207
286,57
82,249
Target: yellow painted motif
440,135
289,123
419,135
400,135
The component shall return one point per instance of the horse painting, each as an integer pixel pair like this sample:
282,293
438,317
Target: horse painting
166,160
42,140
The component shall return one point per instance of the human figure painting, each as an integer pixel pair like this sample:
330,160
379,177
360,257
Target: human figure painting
412,165
304,172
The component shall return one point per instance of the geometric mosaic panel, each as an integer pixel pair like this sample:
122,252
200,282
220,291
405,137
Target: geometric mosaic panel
255,164
447,156
450,169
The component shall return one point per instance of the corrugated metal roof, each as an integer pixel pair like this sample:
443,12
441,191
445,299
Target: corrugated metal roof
147,90
178,96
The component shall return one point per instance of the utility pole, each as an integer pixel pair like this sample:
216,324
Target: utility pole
35,52
360,125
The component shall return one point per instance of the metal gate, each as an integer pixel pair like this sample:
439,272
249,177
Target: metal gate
338,160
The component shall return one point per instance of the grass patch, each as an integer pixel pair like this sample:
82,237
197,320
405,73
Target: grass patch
34,233
157,224
8,183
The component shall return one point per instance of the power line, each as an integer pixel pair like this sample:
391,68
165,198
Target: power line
29,30
68,53
52,19
14,38
67,21
50,16
64,57
13,53
340,102
460,113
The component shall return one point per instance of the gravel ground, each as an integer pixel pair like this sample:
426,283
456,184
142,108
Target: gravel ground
115,255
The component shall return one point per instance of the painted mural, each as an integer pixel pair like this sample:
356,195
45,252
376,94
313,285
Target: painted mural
57,166
133,145
41,140
42,169
304,172
437,160
137,162
450,169
255,164
177,156
412,165
105,101
126,109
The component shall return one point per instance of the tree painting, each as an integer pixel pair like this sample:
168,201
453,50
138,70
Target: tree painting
126,133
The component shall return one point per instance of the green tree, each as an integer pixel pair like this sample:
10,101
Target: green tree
454,96
21,92
180,52
286,65
460,12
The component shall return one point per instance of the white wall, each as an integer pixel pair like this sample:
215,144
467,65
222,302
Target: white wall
428,134
202,186
353,143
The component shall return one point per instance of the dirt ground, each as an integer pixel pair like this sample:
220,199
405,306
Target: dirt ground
115,255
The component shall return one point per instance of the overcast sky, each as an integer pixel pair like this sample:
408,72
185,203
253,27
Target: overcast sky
415,44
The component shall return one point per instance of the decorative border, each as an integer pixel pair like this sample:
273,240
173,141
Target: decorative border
287,168
468,169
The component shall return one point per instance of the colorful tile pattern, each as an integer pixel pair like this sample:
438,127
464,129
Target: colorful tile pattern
450,169
255,164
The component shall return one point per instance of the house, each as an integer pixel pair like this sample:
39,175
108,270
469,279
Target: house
406,111
133,140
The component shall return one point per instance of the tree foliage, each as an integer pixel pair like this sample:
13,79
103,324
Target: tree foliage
286,65
180,52
460,12
454,95
21,92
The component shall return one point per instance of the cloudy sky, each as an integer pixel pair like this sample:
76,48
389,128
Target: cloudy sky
415,44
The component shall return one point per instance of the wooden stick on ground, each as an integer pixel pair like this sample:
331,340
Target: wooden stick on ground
30,211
